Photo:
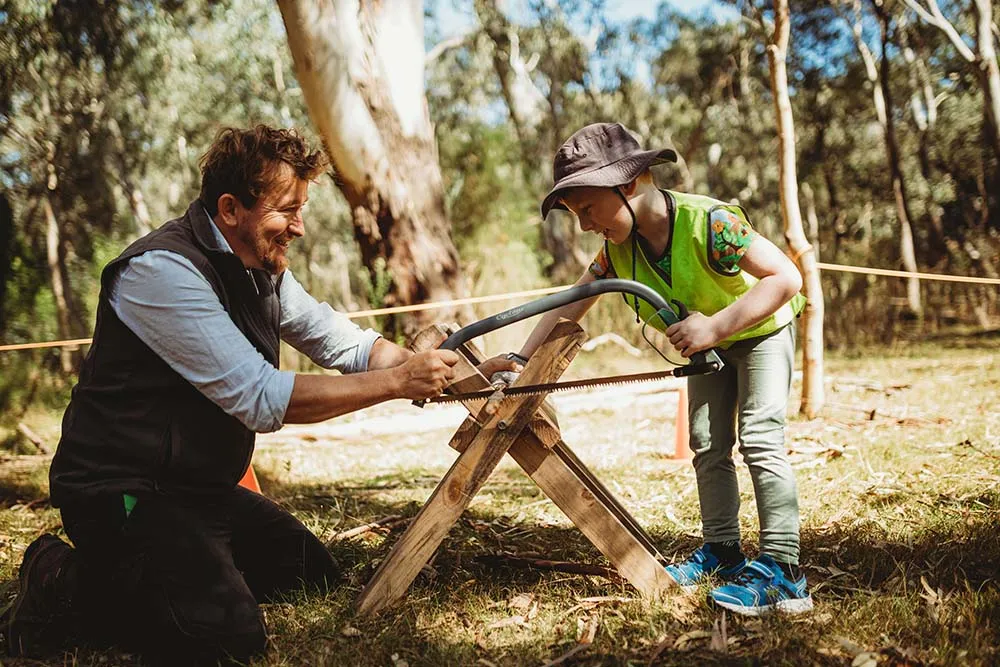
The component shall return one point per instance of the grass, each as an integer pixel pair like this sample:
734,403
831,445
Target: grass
900,499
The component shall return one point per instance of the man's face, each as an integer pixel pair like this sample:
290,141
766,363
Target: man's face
265,231
601,211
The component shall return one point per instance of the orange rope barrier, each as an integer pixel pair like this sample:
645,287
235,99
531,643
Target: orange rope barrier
550,290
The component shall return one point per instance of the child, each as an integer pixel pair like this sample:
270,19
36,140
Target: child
742,293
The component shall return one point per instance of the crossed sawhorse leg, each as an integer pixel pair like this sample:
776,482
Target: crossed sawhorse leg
524,427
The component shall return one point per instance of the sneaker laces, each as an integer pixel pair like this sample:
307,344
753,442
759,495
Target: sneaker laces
749,575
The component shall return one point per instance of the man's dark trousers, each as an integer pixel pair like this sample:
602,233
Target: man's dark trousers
181,577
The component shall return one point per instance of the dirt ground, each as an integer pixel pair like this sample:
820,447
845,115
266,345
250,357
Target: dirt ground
899,484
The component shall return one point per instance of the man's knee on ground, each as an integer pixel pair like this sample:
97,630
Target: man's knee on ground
212,627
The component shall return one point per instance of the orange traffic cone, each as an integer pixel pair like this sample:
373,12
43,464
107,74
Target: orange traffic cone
682,444
249,480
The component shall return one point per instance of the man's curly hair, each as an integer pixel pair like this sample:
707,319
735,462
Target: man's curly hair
245,163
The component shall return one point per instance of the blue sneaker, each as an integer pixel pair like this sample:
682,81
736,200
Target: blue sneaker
761,588
700,566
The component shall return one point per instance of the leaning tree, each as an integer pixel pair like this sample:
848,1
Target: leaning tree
361,69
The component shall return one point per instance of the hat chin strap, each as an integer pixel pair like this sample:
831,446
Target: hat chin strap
634,236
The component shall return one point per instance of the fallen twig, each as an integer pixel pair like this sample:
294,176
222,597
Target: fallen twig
602,599
33,437
869,385
566,656
662,646
384,522
901,418
591,602
588,631
968,443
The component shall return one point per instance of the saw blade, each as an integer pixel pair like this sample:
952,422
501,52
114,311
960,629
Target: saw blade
530,389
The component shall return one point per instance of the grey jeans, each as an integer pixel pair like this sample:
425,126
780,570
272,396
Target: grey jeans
748,399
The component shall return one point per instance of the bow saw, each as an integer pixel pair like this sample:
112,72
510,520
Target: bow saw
701,363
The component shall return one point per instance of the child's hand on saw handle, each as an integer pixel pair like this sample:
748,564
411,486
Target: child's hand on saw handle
502,370
694,332
426,374
502,364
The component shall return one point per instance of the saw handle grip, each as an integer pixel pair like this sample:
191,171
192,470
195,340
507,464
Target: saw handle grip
702,363
699,368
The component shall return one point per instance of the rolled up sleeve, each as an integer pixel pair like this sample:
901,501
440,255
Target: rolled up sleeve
327,337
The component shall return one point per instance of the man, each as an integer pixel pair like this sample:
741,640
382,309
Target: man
171,556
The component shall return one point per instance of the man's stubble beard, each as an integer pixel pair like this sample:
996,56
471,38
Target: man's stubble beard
265,252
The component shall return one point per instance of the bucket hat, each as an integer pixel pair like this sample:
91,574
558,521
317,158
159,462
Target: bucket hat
600,155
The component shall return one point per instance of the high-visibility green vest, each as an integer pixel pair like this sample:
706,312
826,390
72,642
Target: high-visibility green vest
693,280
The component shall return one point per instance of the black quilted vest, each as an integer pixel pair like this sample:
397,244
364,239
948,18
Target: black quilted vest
133,424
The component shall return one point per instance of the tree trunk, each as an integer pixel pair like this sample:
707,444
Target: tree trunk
989,72
923,106
6,254
559,231
906,245
143,221
525,102
52,242
984,60
883,109
812,218
812,349
528,108
361,69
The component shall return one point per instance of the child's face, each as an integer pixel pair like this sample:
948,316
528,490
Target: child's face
601,211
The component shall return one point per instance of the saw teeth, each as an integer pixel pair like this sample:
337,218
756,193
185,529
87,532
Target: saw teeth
556,386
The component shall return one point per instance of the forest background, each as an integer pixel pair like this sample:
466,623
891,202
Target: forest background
106,105
442,118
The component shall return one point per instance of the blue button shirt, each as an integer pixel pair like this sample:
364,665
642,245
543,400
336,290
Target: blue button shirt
165,301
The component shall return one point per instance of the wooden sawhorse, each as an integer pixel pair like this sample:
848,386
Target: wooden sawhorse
524,427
